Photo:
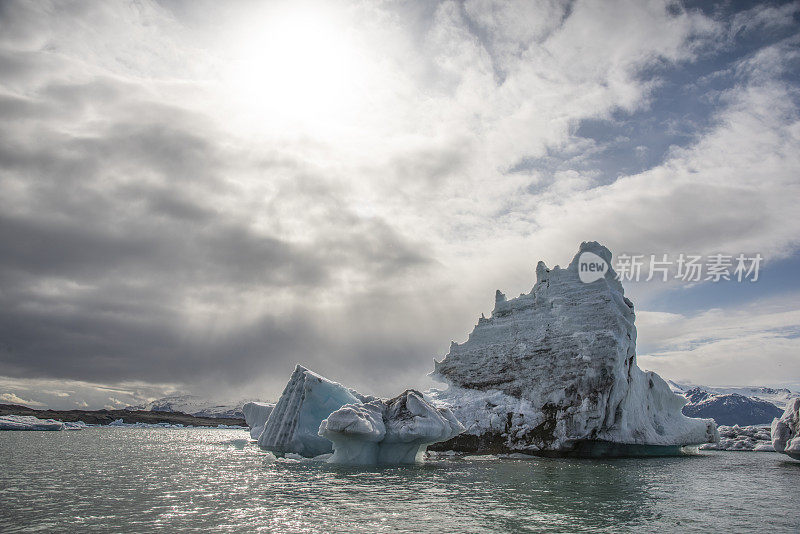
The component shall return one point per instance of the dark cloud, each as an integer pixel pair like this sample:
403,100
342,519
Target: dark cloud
125,226
148,233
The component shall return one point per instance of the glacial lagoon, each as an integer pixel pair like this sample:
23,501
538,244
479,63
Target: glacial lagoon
149,480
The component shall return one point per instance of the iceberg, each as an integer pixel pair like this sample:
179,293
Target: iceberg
28,422
785,432
742,438
308,398
256,415
355,430
395,431
120,423
554,370
75,425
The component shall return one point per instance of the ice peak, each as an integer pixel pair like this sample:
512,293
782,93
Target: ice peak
595,248
541,272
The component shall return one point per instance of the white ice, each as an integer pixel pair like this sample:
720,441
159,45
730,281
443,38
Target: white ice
395,431
122,424
256,415
557,366
28,422
307,399
411,425
75,425
786,430
742,438
356,431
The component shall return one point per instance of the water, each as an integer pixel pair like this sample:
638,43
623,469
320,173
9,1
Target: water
142,480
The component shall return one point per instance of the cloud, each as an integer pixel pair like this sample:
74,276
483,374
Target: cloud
13,399
68,394
162,224
754,344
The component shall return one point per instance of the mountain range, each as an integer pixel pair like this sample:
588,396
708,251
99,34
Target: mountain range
194,405
746,405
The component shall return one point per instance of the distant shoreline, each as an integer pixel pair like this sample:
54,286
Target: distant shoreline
104,417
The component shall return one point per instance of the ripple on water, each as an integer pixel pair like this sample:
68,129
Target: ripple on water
111,480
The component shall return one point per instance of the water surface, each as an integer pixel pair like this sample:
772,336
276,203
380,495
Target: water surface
146,480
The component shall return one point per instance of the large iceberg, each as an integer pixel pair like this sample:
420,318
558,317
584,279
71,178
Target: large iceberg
555,370
306,400
786,430
395,431
256,415
28,422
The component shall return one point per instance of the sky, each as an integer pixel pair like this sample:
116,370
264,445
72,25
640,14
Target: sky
195,196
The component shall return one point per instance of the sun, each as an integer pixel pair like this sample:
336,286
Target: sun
298,68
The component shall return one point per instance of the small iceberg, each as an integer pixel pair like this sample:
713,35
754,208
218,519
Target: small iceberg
256,415
742,438
396,431
122,424
307,399
75,425
28,422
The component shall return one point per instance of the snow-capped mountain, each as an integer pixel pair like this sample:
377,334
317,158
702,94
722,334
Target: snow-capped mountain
777,396
730,408
194,405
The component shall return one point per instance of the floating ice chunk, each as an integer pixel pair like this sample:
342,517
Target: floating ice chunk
786,430
122,424
355,431
307,399
764,447
396,431
441,454
28,422
742,438
237,443
561,361
481,457
411,425
256,415
75,425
